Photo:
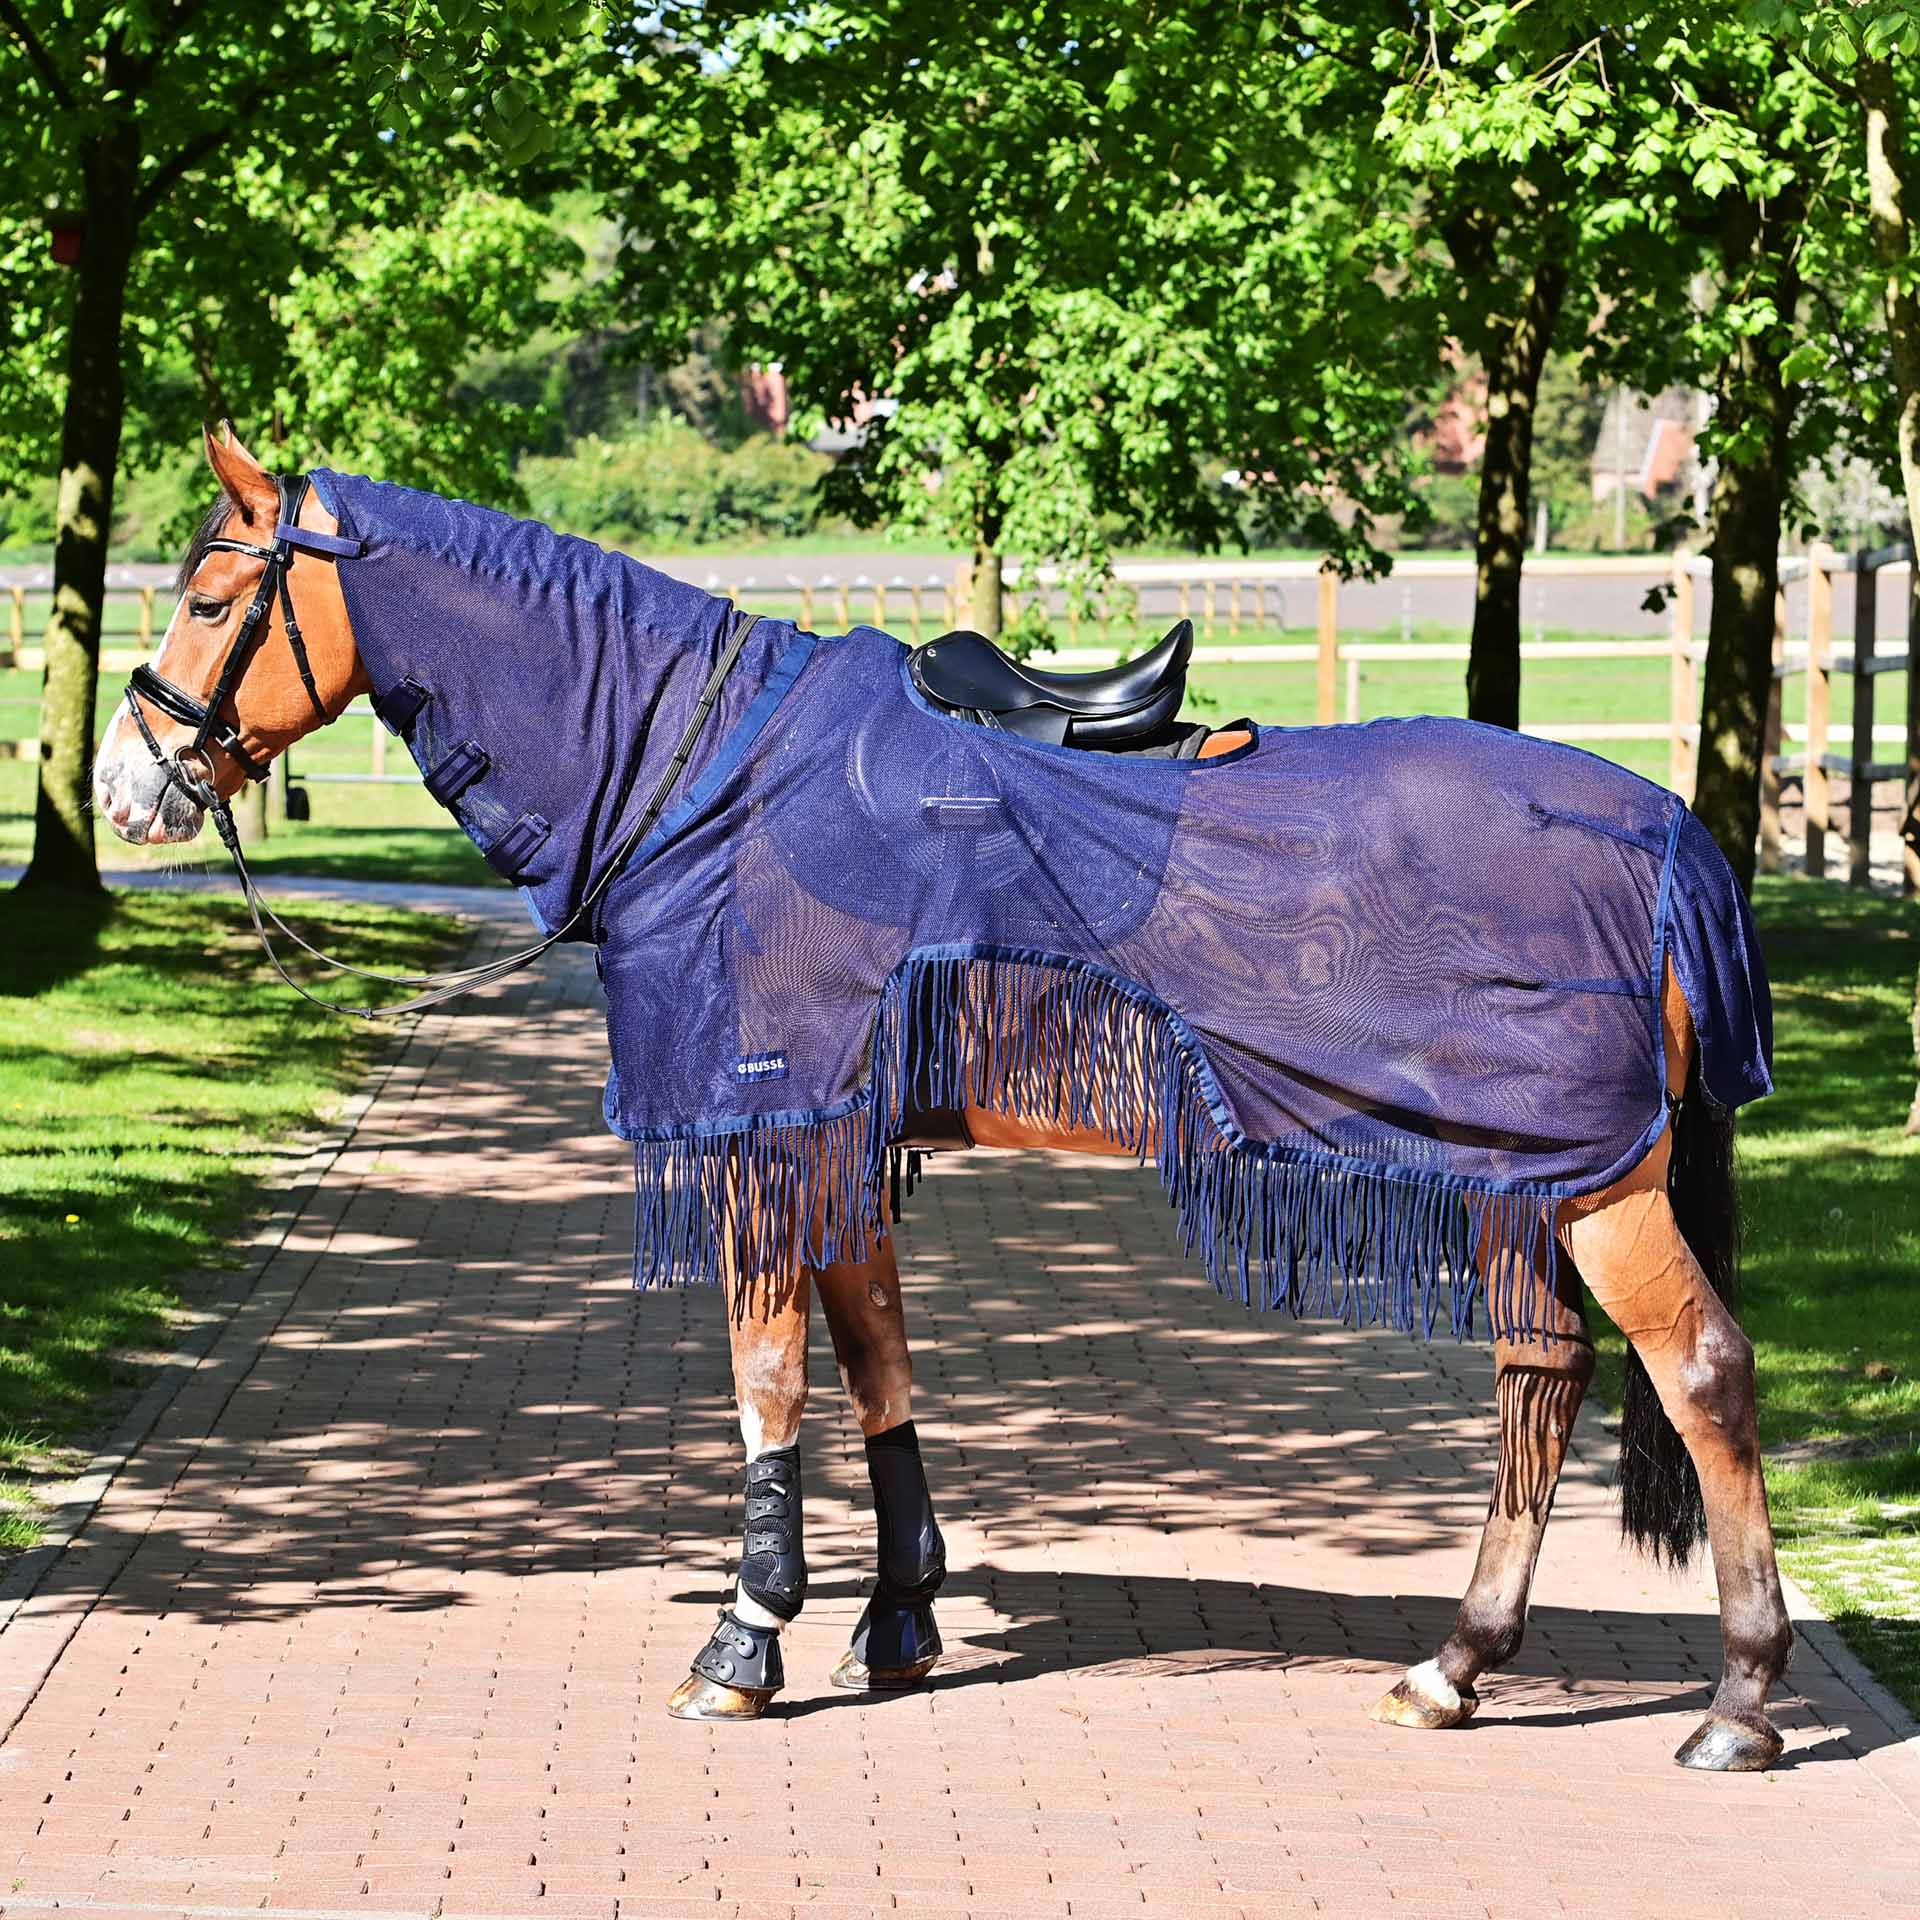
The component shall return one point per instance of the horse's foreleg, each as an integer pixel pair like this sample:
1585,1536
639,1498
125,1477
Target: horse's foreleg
1538,1387
739,1669
1636,1260
896,1642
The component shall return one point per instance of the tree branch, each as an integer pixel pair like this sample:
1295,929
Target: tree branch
203,145
171,28
181,161
40,59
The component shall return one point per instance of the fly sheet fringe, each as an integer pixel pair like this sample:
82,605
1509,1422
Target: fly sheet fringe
1069,1045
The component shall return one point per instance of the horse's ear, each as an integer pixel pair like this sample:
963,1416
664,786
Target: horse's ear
245,482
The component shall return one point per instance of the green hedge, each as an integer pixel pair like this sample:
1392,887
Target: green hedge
667,486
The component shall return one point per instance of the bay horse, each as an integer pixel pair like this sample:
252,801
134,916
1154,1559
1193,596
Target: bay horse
260,652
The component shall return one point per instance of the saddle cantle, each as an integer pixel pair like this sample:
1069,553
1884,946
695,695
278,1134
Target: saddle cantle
1125,709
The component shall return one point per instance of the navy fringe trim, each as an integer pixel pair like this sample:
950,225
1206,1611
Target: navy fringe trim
1066,1044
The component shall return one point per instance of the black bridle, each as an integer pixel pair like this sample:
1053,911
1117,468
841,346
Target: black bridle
206,716
212,729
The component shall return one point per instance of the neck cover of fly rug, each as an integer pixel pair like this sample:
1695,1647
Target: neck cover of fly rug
1372,998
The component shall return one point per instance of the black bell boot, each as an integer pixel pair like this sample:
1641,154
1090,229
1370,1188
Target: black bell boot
734,1675
896,1641
893,1645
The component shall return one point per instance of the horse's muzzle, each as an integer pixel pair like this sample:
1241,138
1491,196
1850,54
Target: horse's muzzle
137,799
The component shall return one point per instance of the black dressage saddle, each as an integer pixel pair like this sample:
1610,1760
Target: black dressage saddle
1130,708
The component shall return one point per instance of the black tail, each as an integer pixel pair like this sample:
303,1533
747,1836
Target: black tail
1660,1506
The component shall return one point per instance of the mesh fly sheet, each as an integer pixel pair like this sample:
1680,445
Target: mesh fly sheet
1371,998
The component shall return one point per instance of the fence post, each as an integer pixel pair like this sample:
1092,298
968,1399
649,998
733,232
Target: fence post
146,620
1328,671
1866,623
1683,702
1770,743
1819,705
250,812
806,606
17,617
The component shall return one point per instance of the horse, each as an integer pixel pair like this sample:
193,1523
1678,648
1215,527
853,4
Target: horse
1386,1187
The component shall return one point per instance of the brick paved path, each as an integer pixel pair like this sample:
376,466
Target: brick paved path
381,1616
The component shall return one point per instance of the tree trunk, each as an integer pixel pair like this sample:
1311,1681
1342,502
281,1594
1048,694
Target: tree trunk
1893,240
1748,498
1515,358
983,598
63,854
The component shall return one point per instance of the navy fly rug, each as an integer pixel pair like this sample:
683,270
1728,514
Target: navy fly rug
1372,998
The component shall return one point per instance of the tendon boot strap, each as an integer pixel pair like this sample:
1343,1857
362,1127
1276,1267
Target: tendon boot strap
913,1557
742,1656
773,1552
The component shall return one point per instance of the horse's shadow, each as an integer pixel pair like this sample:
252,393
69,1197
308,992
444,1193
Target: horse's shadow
1199,1628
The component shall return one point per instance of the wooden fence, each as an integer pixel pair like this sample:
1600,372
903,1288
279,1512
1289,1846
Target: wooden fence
1230,601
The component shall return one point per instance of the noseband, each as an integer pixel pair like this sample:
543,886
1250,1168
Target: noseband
205,717
211,730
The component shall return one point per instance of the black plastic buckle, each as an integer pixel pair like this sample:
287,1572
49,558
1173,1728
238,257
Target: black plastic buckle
399,707
457,772
511,853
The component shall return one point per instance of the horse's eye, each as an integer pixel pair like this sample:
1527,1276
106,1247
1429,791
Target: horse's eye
202,608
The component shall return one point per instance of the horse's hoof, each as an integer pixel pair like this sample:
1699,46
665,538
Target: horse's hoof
1719,1745
698,1698
1425,1698
857,1677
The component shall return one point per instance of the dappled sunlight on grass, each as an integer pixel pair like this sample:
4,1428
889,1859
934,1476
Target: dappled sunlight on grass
148,1062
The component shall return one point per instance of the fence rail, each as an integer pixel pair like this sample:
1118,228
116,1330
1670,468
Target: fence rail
1228,599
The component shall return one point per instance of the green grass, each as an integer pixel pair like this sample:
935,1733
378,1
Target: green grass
1830,1197
148,1063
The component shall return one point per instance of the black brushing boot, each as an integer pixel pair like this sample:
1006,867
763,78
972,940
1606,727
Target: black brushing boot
739,1669
896,1641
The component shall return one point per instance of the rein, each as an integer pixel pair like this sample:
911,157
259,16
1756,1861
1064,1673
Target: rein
210,728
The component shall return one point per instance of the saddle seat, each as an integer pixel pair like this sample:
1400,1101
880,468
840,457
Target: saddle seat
1125,709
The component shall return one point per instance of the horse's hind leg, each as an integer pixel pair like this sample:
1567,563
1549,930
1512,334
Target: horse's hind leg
1538,1389
1635,1258
896,1642
739,1669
